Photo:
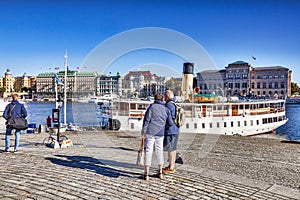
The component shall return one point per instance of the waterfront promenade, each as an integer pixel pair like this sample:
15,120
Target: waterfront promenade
101,165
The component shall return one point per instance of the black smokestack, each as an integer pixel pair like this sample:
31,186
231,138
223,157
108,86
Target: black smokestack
188,68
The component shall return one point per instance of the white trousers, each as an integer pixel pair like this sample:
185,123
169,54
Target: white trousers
150,143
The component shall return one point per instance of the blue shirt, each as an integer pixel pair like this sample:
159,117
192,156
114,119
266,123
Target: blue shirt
18,110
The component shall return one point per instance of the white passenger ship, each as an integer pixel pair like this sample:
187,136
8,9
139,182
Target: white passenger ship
206,114
230,118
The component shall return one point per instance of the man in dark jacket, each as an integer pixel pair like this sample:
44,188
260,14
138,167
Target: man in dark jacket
14,109
171,134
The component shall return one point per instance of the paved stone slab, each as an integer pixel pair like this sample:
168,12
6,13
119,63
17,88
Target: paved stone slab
102,166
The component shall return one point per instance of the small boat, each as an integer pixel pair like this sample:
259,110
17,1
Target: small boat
3,104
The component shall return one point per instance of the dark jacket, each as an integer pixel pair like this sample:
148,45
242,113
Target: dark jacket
171,129
156,118
18,111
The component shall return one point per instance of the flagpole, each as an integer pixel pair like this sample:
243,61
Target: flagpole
65,88
56,96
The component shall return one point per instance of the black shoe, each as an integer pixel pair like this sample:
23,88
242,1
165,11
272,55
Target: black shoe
5,151
16,151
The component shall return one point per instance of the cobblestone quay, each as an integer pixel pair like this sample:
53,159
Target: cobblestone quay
101,165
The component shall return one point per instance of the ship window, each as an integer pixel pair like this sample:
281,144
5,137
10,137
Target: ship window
264,120
203,125
195,125
245,123
218,125
257,122
187,125
239,123
251,122
231,124
274,119
210,125
269,120
225,125
132,106
132,125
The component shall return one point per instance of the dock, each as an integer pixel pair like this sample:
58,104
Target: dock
101,165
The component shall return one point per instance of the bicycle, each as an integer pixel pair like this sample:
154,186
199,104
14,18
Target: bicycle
52,138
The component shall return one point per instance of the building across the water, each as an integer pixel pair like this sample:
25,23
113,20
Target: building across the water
240,78
78,84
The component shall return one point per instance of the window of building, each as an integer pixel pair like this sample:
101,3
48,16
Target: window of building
239,123
257,122
258,76
187,126
210,125
251,122
270,76
218,125
276,85
203,125
264,85
252,85
270,85
245,123
282,84
258,85
231,123
195,125
225,124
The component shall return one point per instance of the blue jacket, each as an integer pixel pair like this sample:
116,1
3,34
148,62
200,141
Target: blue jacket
171,129
18,111
156,118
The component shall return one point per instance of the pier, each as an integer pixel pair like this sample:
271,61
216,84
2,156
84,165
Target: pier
101,165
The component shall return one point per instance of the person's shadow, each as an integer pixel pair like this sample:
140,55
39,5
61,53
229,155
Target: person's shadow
97,165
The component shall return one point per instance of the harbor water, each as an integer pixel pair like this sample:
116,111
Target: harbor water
79,114
291,130
84,114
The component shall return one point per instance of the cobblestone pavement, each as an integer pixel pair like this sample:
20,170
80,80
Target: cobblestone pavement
101,165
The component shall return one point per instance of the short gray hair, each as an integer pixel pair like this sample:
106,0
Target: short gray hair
169,93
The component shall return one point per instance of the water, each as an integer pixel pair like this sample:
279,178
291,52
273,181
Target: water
291,129
81,114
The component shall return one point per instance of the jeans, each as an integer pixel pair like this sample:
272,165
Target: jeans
152,141
7,138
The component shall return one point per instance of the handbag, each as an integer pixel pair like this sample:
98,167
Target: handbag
140,161
17,123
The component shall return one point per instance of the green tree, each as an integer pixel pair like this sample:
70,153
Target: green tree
174,85
24,89
2,89
295,89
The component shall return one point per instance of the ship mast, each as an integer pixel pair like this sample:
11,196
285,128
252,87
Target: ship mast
65,90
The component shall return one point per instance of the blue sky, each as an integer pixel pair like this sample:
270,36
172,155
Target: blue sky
35,34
